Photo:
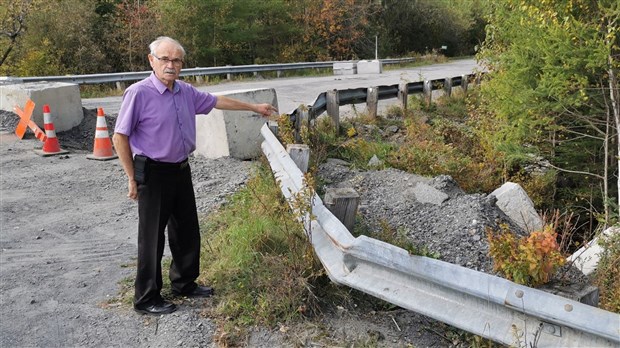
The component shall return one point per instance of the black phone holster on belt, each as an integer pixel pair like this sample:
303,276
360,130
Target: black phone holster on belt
139,168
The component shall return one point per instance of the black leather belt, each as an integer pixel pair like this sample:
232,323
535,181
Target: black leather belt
167,165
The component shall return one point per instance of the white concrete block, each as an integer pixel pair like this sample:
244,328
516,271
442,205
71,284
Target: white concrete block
514,202
63,98
224,133
345,68
369,67
587,257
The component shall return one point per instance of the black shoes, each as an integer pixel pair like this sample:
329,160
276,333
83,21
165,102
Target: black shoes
200,291
158,308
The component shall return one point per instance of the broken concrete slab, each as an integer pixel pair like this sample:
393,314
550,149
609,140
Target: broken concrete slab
514,202
63,98
587,257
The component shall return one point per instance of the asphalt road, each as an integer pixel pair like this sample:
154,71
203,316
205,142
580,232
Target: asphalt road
295,91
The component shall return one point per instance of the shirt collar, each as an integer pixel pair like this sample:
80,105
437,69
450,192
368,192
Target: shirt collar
161,88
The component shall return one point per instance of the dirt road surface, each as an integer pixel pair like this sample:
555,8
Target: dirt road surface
68,238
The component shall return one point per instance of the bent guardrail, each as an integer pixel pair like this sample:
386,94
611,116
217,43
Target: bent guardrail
477,302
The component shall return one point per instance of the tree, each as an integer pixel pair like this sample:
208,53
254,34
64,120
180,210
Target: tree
552,67
13,24
332,28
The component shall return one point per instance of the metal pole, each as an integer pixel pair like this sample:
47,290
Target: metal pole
376,47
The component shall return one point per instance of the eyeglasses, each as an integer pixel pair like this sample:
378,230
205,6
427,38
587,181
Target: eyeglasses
166,60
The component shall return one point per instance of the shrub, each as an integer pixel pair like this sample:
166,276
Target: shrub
608,272
530,260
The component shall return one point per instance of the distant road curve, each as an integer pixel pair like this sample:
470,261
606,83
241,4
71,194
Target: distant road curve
294,91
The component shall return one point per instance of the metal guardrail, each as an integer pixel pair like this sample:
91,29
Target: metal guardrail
359,95
477,302
223,70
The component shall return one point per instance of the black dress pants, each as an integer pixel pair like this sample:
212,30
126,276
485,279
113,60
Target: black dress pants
166,198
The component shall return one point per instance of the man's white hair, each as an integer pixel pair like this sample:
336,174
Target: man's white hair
153,46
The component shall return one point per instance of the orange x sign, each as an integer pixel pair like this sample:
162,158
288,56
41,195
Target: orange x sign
25,122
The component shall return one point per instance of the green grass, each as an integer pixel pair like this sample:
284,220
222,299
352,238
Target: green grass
257,256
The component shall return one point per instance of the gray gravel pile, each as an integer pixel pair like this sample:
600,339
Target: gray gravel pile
455,228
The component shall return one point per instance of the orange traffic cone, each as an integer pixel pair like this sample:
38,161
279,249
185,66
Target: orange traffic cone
103,145
50,146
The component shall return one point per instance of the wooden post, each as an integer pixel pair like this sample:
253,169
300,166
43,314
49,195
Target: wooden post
300,154
333,109
447,86
464,81
403,95
120,85
343,202
428,92
300,120
372,99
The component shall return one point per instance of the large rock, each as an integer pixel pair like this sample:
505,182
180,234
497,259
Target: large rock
514,202
63,98
236,134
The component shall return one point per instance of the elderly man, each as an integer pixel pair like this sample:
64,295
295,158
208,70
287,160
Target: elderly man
155,133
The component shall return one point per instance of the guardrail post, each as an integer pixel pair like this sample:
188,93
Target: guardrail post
300,120
199,79
372,98
120,85
278,73
464,82
478,78
343,202
447,86
428,92
333,109
403,95
300,154
229,75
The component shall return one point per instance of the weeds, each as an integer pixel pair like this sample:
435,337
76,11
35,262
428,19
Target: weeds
608,271
258,258
530,260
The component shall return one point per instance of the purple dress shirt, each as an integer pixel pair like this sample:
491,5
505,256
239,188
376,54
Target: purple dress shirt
161,124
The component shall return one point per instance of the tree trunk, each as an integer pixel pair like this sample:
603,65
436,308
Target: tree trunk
615,106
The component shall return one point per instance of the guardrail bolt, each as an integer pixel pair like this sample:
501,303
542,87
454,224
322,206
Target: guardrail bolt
519,293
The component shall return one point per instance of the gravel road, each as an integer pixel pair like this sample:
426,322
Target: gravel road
68,238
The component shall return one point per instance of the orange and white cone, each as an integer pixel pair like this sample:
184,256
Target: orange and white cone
103,145
50,146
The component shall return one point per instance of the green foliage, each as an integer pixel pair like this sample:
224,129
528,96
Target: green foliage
113,36
258,256
548,91
530,260
608,272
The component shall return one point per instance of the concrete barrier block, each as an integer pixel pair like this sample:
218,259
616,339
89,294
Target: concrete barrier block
514,202
369,67
587,257
345,68
236,134
63,98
